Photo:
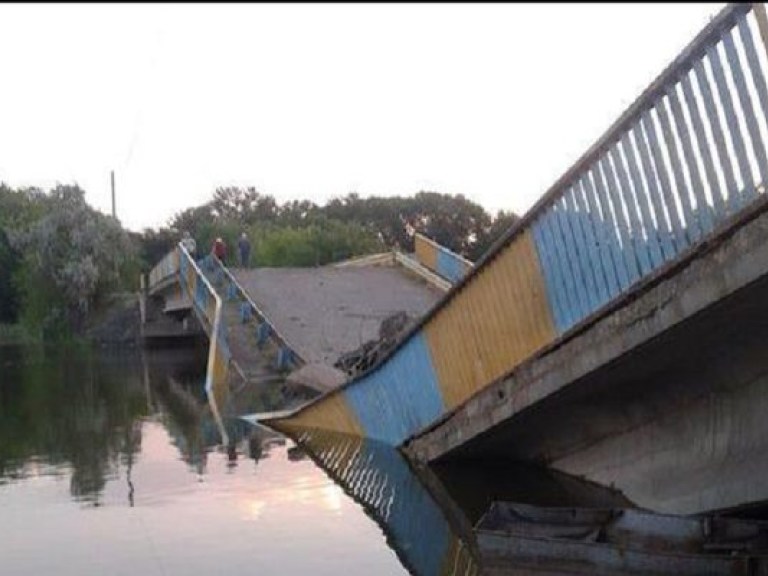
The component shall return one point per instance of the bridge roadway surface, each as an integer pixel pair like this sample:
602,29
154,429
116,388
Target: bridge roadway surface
327,311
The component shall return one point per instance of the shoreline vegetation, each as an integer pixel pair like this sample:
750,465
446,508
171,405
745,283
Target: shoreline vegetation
65,265
17,335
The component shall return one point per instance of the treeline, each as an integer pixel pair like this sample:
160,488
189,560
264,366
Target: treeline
302,233
60,258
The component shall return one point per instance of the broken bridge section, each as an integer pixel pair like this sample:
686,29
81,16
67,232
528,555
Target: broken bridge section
673,174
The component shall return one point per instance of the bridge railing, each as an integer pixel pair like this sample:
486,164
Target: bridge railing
689,153
179,265
439,259
209,307
265,329
167,268
684,161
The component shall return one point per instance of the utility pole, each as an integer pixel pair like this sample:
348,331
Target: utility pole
112,175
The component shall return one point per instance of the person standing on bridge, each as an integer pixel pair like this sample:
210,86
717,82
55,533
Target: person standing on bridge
244,248
219,250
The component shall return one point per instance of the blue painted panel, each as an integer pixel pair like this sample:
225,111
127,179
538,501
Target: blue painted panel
575,220
400,398
623,255
246,312
222,340
545,251
651,185
183,265
610,234
561,270
748,188
602,224
263,331
284,357
201,295
590,236
705,215
636,245
572,270
449,266
594,271
747,107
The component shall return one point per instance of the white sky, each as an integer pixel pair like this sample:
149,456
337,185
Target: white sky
493,101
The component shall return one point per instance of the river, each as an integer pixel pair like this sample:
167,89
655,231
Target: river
111,464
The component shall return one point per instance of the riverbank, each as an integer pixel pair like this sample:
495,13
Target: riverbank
16,335
117,322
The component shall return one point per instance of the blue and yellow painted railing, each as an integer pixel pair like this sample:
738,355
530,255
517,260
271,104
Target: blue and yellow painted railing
440,260
683,161
265,332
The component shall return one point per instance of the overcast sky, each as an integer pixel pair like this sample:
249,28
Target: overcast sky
314,101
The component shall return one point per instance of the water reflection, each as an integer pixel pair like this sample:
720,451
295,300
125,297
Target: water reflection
75,413
430,539
137,431
58,408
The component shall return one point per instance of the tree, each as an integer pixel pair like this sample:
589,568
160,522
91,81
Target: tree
499,226
72,256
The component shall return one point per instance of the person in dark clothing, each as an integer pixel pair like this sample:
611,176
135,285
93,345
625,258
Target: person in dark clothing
220,250
244,247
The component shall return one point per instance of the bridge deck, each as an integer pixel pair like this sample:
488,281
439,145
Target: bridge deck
325,312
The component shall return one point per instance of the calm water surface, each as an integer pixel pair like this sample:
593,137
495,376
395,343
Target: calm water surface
111,464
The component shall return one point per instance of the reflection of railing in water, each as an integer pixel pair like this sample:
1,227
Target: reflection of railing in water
683,163
378,477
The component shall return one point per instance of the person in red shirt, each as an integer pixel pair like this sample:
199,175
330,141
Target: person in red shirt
220,250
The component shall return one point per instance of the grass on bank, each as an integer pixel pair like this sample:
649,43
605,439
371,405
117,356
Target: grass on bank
14,334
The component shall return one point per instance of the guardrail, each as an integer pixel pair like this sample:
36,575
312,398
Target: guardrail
266,330
685,156
167,268
440,260
681,165
422,271
208,304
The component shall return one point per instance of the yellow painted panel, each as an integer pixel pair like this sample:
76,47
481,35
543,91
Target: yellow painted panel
426,252
459,560
210,309
497,321
219,375
332,413
191,281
